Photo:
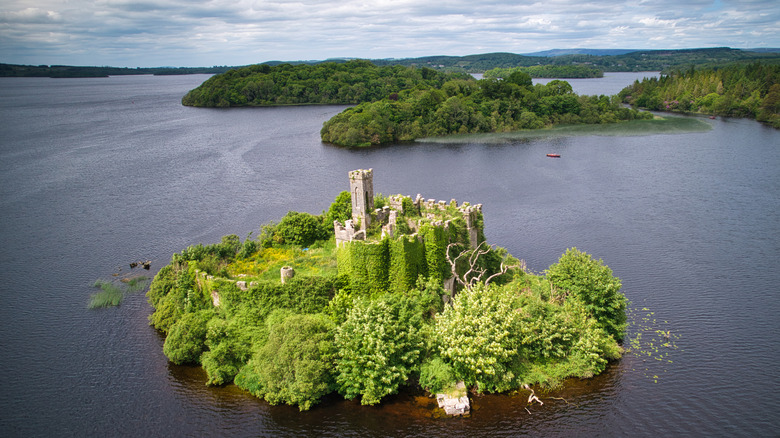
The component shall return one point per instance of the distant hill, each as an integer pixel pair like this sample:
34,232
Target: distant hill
71,71
609,60
642,60
764,50
595,52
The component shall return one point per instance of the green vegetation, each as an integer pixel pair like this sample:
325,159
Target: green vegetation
397,103
751,91
112,293
465,106
326,83
70,71
547,71
592,283
379,346
644,60
654,126
367,318
294,366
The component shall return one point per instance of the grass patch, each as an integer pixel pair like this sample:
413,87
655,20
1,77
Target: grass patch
656,126
266,264
111,294
135,284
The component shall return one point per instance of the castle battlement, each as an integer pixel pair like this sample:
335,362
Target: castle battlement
438,212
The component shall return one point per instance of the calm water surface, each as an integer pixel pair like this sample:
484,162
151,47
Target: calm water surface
97,173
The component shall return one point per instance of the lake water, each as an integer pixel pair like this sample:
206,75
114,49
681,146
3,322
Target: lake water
98,173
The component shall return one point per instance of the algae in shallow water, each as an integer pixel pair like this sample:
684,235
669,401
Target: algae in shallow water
656,126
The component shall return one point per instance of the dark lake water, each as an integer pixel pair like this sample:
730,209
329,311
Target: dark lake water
97,173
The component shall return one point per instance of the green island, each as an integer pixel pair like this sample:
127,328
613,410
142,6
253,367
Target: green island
737,90
378,293
396,103
548,71
470,106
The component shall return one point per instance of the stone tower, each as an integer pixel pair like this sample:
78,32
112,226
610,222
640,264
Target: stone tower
361,187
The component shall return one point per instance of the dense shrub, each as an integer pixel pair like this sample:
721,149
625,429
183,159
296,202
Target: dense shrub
295,365
186,340
477,336
340,210
300,229
379,346
229,345
436,375
591,282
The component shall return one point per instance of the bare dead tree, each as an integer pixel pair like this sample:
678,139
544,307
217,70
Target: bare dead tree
475,273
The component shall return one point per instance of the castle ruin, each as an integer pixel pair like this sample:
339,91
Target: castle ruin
439,213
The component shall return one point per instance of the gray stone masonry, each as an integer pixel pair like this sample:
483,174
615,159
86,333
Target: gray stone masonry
347,232
455,405
287,272
361,189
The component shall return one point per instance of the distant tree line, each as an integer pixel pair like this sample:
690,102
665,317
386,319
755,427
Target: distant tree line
646,60
548,71
751,91
68,71
328,83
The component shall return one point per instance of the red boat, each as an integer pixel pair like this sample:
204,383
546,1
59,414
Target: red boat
554,155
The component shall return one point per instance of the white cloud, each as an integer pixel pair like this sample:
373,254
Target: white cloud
223,32
29,15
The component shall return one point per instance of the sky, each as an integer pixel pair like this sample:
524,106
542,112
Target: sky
181,33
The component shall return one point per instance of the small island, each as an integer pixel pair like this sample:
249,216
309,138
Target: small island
397,104
378,293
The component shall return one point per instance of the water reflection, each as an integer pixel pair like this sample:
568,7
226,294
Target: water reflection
409,411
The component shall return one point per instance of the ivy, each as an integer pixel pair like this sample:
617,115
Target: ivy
407,263
435,238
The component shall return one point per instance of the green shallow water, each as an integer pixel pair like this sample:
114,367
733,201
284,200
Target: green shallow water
664,125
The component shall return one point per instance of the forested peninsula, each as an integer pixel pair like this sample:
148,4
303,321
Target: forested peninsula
379,293
751,90
398,103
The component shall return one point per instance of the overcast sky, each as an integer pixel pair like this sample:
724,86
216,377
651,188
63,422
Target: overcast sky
155,33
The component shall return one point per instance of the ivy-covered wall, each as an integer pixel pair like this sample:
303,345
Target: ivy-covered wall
436,240
366,263
407,262
395,264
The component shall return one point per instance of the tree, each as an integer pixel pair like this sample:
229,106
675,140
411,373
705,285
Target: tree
379,346
340,210
477,336
295,365
187,339
299,229
520,78
591,282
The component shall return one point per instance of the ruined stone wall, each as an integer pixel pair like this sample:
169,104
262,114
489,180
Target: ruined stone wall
361,189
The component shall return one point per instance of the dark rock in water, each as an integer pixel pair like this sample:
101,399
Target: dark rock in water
146,265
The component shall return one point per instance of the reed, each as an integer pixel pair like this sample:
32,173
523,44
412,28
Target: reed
136,284
109,295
